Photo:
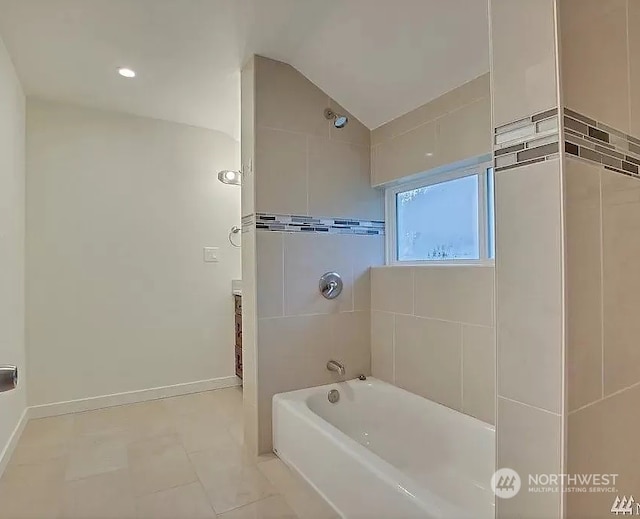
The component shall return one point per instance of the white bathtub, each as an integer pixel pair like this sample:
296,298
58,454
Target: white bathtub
382,452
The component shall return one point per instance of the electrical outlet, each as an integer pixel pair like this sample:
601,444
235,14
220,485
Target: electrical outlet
210,254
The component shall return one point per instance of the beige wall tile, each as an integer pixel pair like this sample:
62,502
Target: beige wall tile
479,372
465,133
293,353
366,252
602,439
595,60
350,342
528,441
247,143
382,331
306,258
407,154
392,289
428,359
249,321
583,282
475,89
461,294
448,102
374,164
529,284
634,65
453,127
250,416
287,100
339,180
270,280
280,171
286,344
621,286
523,58
294,350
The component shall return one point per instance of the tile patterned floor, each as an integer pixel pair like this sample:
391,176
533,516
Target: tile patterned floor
177,458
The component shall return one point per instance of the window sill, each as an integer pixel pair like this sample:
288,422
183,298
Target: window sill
449,263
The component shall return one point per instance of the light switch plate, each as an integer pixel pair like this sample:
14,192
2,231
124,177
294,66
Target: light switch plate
210,254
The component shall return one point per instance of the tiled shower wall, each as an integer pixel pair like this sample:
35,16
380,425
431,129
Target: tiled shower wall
433,333
310,210
529,269
432,328
568,360
451,128
602,204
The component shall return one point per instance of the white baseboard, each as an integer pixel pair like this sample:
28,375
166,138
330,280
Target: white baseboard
6,453
131,397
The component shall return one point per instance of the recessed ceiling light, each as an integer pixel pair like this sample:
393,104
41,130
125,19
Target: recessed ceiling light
126,72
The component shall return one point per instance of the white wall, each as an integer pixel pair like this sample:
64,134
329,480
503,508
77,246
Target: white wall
12,225
118,296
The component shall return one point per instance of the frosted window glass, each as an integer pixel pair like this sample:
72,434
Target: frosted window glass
439,222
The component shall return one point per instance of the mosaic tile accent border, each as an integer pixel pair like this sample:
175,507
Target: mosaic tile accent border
307,224
599,143
526,141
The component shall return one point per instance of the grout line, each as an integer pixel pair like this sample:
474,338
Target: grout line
462,408
601,285
307,152
607,397
529,405
562,165
495,283
629,96
464,323
290,316
284,273
413,291
434,119
393,349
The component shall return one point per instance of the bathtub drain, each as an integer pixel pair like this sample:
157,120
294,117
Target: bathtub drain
333,396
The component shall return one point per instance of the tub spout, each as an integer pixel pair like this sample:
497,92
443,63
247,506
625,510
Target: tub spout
338,367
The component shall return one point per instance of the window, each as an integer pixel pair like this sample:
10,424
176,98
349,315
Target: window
446,217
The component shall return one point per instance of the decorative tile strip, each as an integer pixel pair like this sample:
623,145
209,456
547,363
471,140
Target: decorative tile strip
312,224
526,141
599,143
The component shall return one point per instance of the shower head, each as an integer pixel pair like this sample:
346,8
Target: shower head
227,176
339,120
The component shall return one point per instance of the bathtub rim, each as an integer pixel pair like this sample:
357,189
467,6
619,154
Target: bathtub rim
296,403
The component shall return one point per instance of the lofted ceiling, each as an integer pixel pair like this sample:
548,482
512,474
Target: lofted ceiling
377,58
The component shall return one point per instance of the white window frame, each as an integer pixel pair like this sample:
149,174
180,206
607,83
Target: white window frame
479,167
